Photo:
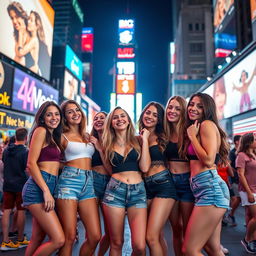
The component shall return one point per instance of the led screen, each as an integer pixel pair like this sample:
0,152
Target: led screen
87,39
235,92
126,102
126,32
125,84
70,86
6,78
26,29
253,17
125,68
29,93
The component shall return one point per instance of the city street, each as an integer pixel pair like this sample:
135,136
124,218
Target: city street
231,237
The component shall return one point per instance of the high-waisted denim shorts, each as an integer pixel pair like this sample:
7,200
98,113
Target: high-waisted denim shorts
100,182
122,195
182,185
160,185
210,189
32,193
75,183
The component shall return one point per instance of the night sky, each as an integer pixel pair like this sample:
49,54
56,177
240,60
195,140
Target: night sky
152,33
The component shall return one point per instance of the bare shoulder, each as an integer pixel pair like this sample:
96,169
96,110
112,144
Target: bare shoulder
39,132
208,124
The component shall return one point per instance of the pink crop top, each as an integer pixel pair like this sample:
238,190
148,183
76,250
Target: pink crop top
49,153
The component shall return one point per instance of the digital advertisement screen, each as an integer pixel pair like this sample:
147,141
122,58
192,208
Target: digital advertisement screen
125,53
235,92
26,29
6,80
127,103
87,39
125,68
225,38
253,17
125,84
126,32
29,93
70,86
73,63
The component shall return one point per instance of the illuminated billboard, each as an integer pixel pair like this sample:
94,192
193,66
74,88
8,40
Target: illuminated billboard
126,102
125,68
70,86
87,39
125,53
253,18
125,84
6,79
26,29
225,38
73,63
235,92
126,31
29,93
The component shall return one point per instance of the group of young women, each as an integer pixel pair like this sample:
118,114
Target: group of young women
168,171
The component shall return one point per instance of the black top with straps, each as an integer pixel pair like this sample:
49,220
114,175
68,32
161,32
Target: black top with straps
130,163
172,152
96,159
157,157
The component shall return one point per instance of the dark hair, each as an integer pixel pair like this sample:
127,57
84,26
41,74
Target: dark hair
93,131
21,134
209,113
40,29
236,138
246,74
159,130
20,12
55,137
246,140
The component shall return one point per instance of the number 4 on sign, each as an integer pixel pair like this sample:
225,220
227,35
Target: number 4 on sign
25,93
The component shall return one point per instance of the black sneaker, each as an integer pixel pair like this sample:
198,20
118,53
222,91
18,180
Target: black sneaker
250,247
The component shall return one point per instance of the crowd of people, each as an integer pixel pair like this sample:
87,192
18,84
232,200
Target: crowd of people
172,170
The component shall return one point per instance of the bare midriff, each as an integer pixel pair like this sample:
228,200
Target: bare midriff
129,177
80,163
197,167
176,167
49,167
100,169
154,170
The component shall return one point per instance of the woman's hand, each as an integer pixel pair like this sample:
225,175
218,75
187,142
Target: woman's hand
144,134
96,143
193,130
251,198
49,202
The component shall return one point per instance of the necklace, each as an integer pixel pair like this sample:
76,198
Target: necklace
121,144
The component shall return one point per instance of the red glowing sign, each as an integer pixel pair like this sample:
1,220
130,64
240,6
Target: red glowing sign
125,53
87,40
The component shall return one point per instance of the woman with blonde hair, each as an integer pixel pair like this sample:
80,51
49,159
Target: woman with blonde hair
125,190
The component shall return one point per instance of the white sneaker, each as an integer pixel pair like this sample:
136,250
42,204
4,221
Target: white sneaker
224,250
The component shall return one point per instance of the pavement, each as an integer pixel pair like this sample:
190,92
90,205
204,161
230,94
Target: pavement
230,238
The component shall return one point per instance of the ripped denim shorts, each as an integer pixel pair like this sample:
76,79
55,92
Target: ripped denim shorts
75,183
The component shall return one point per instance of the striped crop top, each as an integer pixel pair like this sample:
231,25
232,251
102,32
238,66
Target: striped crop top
76,150
172,152
49,153
129,164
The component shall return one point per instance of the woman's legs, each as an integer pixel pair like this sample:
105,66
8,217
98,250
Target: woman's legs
89,214
105,241
201,227
67,212
115,222
160,210
44,223
251,226
137,218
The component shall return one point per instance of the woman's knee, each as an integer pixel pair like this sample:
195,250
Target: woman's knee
94,239
139,248
70,237
116,243
152,238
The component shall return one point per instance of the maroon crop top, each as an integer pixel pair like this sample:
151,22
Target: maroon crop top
49,153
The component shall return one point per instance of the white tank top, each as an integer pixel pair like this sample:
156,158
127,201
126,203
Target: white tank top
75,150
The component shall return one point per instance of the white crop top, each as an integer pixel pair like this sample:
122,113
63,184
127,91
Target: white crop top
75,150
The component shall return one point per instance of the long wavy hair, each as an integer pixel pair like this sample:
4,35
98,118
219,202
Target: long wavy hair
109,137
39,24
209,113
82,125
39,121
93,131
21,13
245,144
159,129
178,129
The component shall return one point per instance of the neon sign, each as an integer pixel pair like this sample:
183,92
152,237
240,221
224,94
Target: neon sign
125,68
125,53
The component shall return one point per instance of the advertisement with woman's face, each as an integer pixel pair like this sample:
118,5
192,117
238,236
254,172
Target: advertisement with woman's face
240,87
26,29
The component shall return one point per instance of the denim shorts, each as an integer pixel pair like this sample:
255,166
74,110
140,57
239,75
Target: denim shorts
122,195
160,185
75,183
100,182
32,193
182,185
210,189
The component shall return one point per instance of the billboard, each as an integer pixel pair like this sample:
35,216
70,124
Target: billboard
87,39
126,102
126,31
29,93
6,79
253,18
235,91
125,84
125,53
73,63
125,68
225,38
70,86
26,29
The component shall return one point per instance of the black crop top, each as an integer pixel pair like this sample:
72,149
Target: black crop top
172,152
157,157
96,159
129,164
